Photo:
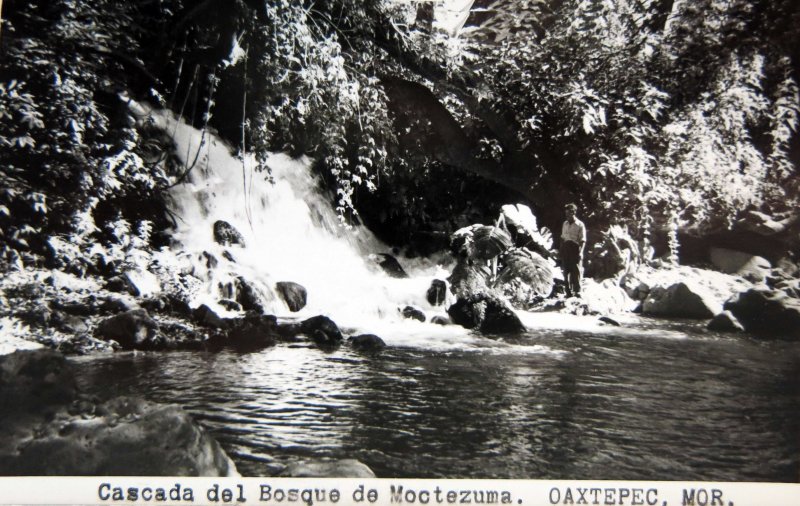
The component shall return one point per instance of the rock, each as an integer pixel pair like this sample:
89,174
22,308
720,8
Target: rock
230,305
228,256
681,300
226,234
725,322
34,382
143,283
413,313
389,264
253,332
610,321
88,308
293,294
767,313
634,287
121,284
133,330
367,342
248,296
760,223
606,297
116,304
437,293
751,267
206,316
123,437
71,324
211,260
346,468
321,329
487,313
441,320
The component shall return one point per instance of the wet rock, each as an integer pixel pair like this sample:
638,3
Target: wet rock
248,296
253,332
681,300
441,320
367,342
487,313
725,322
767,313
211,261
751,267
345,468
437,293
610,321
206,316
293,294
321,329
226,234
389,264
413,313
133,330
230,305
125,437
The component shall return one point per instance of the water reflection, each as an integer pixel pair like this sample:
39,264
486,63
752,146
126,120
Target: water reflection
596,406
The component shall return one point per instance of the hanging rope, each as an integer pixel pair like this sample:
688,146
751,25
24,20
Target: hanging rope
247,210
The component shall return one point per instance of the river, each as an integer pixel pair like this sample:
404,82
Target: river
653,400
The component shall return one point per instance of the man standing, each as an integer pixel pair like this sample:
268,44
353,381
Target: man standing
573,238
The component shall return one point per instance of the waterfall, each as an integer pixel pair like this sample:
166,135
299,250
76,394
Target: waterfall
291,233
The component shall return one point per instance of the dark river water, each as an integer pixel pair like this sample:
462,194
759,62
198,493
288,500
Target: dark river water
655,401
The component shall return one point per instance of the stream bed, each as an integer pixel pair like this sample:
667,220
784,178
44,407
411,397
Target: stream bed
650,401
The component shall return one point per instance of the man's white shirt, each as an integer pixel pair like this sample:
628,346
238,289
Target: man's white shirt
575,232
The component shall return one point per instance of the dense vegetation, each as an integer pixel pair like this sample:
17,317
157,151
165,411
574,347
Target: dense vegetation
647,113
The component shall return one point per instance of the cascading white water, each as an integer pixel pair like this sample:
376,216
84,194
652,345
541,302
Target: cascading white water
291,233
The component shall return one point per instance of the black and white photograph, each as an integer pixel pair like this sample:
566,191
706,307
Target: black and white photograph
439,239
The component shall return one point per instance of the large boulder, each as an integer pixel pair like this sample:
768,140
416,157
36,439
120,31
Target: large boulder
133,330
487,313
49,428
226,234
345,468
767,313
751,267
123,437
293,294
681,300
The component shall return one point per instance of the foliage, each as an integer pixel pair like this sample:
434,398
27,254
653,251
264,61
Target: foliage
70,152
650,106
